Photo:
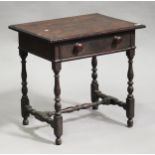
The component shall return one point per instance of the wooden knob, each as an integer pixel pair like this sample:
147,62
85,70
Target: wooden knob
78,47
117,39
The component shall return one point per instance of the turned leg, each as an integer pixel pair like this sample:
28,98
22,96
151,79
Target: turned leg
58,120
94,84
24,100
130,98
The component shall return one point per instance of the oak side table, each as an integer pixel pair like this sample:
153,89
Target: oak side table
69,39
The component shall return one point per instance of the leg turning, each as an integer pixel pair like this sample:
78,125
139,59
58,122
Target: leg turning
130,98
24,99
94,84
58,126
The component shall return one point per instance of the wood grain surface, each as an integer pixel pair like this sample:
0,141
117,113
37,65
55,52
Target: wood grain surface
69,28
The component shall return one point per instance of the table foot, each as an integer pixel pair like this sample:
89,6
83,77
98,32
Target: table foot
25,121
95,107
58,141
130,123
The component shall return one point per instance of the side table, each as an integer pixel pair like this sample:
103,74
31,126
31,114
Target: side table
69,39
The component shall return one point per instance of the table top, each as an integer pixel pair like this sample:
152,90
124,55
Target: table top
57,30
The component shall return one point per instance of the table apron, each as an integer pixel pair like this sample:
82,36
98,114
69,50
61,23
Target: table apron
79,48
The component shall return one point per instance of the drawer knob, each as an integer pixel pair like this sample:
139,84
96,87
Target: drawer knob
78,47
117,39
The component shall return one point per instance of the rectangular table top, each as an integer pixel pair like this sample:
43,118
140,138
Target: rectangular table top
57,30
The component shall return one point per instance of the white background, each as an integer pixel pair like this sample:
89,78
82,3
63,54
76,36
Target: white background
102,131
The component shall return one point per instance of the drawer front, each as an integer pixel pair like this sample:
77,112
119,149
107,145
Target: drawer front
102,45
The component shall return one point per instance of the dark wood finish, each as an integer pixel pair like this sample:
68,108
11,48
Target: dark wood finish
57,117
94,84
24,99
130,98
41,116
109,100
78,47
56,40
69,51
36,46
72,38
105,100
100,45
70,28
